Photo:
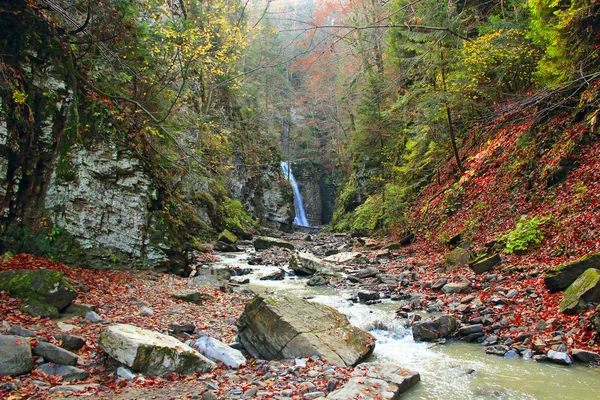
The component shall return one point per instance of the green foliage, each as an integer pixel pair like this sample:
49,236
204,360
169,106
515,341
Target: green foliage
234,216
367,217
526,233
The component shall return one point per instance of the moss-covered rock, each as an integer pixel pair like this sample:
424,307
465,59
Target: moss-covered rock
485,263
264,242
151,352
457,258
45,286
585,289
38,309
288,327
227,237
564,275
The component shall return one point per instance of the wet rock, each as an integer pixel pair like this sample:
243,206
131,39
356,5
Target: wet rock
219,351
485,263
456,288
558,357
16,330
55,354
15,355
44,286
66,372
434,329
70,342
467,330
273,327
225,247
239,280
379,380
317,280
564,275
264,242
367,295
586,288
274,276
498,350
151,352
308,264
511,354
364,273
585,356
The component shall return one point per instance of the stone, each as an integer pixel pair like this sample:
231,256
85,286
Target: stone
274,276
219,351
67,372
45,286
78,309
380,381
344,258
485,263
456,288
146,311
227,237
511,354
364,273
458,258
558,357
225,247
317,280
433,329
38,309
273,327
125,374
176,329
192,296
151,352
70,342
564,275
585,356
498,350
308,264
264,242
55,354
16,330
439,284
74,388
586,288
367,295
15,355
93,316
469,329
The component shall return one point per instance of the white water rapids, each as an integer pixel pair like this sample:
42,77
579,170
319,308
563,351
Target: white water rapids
444,369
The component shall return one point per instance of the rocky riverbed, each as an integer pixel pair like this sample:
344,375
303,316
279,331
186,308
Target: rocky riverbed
508,311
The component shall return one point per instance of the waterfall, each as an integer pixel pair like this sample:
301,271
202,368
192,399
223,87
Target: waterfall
298,205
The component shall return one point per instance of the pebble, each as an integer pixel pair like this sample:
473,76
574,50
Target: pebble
146,311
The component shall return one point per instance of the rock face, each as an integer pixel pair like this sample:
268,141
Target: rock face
585,289
379,381
150,352
308,264
288,327
45,286
15,355
563,276
433,329
264,242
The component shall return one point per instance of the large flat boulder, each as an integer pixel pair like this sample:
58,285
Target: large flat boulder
274,327
151,352
43,285
265,242
308,264
434,329
379,381
485,263
564,275
15,355
585,289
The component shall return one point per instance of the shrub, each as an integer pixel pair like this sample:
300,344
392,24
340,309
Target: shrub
526,233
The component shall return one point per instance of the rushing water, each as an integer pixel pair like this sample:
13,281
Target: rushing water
445,369
300,218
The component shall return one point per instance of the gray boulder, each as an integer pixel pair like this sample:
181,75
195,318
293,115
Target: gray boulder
151,352
287,327
15,355
586,288
378,380
585,356
20,331
308,264
344,258
70,342
55,354
38,309
264,242
433,329
558,357
67,372
564,275
43,285
456,288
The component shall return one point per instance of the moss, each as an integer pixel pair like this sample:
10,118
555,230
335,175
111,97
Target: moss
43,285
39,309
586,288
65,171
